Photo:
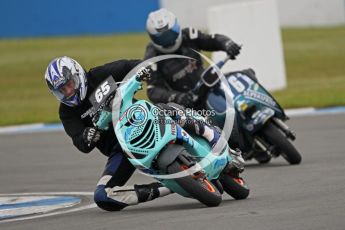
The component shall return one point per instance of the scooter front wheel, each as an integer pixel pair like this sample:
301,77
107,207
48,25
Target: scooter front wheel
235,187
200,188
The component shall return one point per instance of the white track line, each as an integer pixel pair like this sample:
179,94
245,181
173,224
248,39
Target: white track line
40,127
81,208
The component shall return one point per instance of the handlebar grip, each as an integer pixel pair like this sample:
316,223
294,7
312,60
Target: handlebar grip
220,64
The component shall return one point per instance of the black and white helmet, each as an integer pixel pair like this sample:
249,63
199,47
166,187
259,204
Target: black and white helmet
164,31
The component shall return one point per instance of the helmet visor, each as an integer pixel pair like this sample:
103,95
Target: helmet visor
68,91
167,38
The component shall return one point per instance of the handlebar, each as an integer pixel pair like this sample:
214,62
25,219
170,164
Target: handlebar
221,63
209,78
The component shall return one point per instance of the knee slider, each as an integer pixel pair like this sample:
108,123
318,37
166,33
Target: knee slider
104,202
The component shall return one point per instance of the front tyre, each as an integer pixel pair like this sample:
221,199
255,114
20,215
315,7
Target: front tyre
275,137
235,187
263,158
198,188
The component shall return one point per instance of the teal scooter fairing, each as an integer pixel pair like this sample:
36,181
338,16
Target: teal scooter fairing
144,133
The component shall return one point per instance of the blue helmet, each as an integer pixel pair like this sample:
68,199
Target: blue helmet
59,72
164,31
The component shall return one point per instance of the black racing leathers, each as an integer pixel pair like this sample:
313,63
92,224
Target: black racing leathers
173,76
76,119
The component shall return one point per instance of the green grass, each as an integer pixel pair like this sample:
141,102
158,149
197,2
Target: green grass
24,95
315,63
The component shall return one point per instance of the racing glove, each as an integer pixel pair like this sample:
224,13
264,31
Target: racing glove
91,136
232,49
185,99
144,74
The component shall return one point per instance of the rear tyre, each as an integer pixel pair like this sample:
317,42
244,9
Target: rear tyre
198,188
275,137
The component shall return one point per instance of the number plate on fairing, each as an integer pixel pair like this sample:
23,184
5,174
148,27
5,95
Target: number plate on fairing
102,92
261,116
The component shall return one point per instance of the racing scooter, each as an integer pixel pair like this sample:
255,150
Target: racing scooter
158,146
259,117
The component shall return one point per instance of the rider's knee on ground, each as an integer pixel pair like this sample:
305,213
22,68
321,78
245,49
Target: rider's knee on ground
118,197
104,202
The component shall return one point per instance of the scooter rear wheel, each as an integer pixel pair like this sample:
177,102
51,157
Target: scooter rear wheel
274,136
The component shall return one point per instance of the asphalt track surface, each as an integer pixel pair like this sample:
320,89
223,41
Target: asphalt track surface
306,196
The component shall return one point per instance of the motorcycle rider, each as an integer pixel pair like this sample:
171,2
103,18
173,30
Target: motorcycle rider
173,79
72,86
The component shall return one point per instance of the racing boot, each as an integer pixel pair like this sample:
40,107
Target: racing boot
147,192
236,166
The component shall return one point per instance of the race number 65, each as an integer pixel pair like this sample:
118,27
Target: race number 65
102,91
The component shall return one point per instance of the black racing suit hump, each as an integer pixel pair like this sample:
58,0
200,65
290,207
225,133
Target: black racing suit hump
76,119
180,75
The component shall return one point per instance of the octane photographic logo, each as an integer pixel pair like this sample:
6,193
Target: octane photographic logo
205,113
137,115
